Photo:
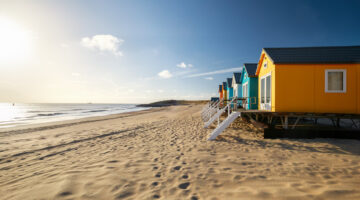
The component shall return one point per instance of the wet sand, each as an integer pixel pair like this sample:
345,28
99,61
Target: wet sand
162,153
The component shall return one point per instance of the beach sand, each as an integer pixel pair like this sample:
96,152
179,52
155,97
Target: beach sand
162,153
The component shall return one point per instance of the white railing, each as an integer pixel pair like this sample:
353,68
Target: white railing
219,113
206,114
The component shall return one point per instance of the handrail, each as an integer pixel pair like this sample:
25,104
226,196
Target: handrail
208,105
208,111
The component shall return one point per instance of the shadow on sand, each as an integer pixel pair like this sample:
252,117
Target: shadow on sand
320,145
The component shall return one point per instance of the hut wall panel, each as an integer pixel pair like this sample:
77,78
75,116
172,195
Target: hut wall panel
295,88
358,89
230,93
336,102
253,91
301,88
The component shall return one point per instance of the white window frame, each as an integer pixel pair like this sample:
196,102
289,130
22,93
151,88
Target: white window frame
245,93
266,105
344,80
244,88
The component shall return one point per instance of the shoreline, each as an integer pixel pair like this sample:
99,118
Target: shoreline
162,153
65,122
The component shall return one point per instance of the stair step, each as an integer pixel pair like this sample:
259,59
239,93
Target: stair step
223,125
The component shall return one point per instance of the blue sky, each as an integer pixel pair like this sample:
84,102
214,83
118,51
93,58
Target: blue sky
142,51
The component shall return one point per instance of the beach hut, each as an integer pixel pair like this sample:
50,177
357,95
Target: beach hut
236,85
230,88
214,99
249,82
310,79
225,91
220,92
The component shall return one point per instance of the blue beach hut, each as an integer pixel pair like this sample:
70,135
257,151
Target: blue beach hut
249,82
230,89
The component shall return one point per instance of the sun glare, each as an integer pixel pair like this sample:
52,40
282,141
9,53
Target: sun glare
15,42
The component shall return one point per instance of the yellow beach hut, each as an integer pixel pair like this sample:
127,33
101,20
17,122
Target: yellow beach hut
225,92
310,79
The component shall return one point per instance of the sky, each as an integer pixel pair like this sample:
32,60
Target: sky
142,51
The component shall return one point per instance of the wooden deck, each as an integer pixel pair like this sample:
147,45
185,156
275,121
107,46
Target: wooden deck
292,124
292,120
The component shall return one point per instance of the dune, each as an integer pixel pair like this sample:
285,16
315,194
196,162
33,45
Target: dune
162,153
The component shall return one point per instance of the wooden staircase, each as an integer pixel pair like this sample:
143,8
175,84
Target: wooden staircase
223,125
211,116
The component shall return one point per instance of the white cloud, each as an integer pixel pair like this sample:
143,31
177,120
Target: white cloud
75,74
209,78
64,45
223,71
184,65
165,74
103,43
160,91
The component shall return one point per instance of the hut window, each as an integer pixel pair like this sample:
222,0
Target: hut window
265,64
268,86
335,81
262,90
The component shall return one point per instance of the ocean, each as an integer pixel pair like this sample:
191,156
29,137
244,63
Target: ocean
24,113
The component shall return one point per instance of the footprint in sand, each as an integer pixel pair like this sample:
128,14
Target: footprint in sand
63,194
194,198
158,175
184,185
185,176
124,194
154,183
156,196
177,168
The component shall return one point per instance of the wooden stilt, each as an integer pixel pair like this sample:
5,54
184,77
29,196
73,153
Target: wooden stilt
297,121
286,122
282,121
354,124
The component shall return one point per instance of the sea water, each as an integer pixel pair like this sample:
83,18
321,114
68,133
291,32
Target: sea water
24,113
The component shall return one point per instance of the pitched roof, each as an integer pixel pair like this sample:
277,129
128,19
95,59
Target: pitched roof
334,54
214,99
237,76
224,85
229,82
250,68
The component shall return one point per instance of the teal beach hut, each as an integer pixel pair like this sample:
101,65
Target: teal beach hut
230,89
249,82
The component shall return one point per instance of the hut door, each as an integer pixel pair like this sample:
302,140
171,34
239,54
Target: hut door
265,92
245,94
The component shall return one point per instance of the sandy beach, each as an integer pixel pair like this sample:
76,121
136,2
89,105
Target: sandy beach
162,153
